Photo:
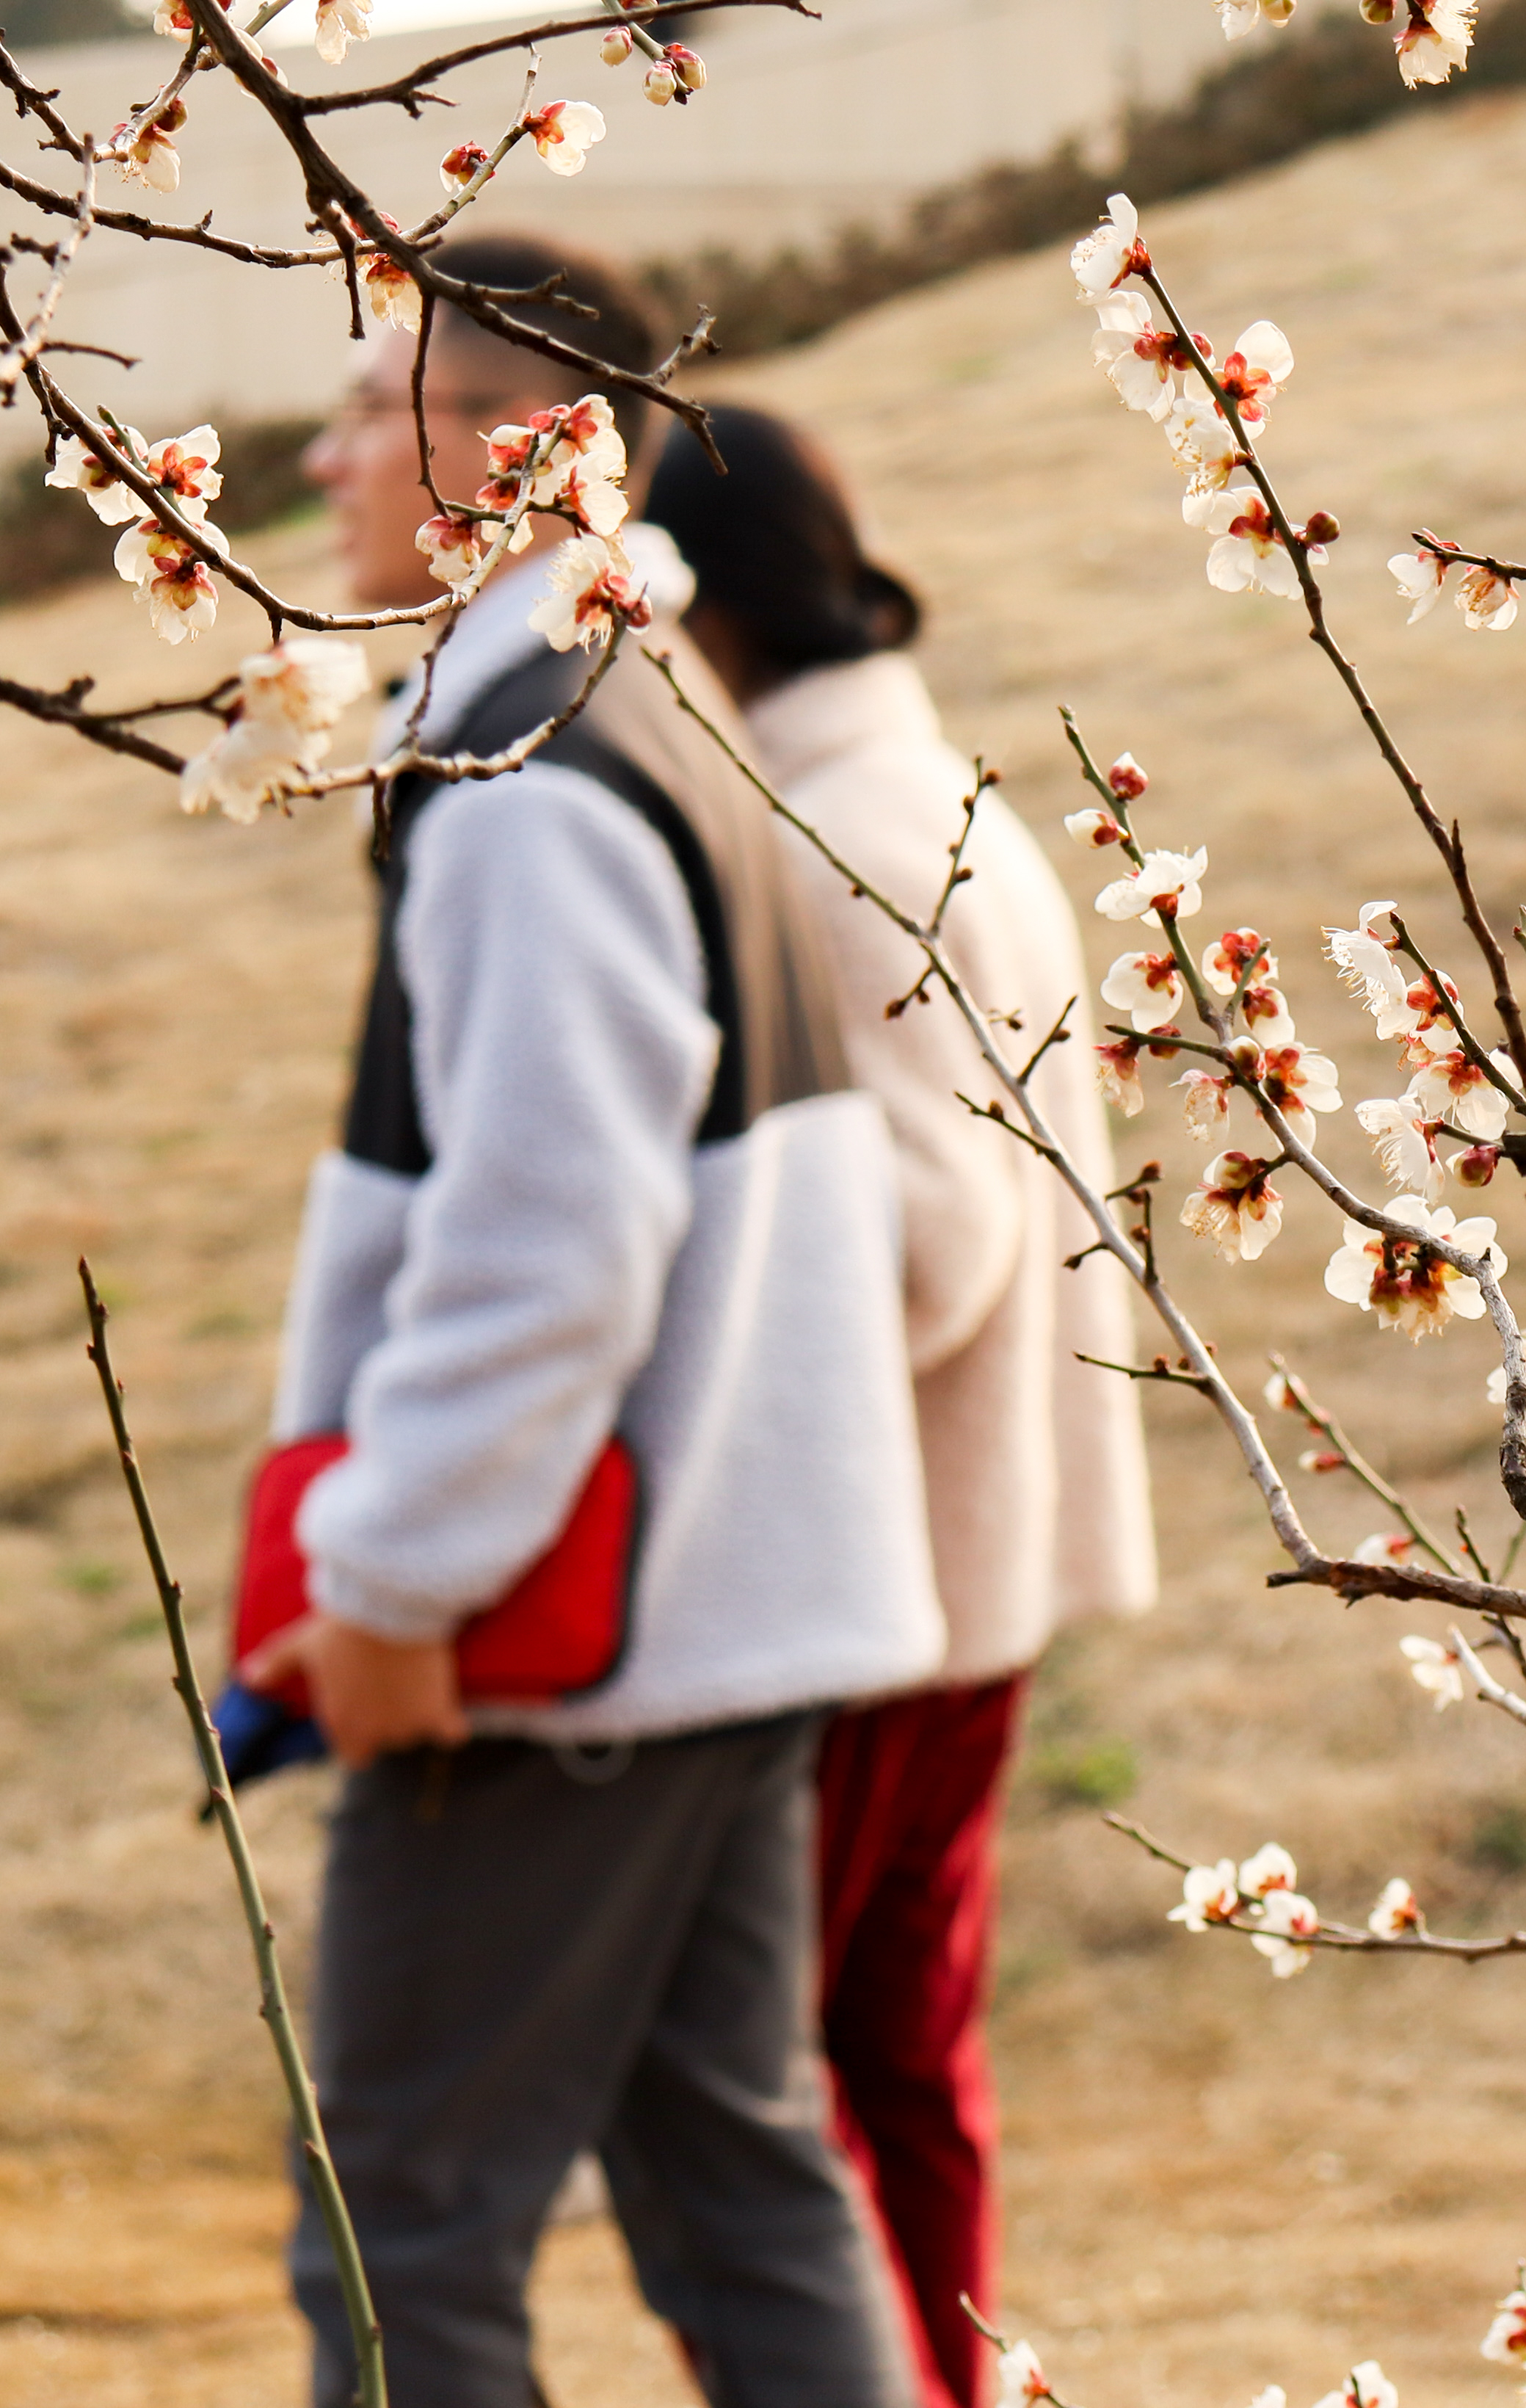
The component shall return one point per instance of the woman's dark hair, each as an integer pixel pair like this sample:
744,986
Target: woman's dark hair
623,333
774,544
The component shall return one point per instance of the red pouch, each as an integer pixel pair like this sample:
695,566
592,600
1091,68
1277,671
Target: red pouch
560,1628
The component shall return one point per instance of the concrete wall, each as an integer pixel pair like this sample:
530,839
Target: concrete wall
802,128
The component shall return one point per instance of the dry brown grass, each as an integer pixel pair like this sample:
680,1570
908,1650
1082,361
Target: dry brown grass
1214,2182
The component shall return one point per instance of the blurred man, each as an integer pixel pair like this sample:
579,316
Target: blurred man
600,1173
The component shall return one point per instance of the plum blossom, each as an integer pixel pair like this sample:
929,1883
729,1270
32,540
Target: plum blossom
1426,1024
78,469
395,298
1486,600
1367,965
1250,552
1270,1868
687,65
1226,961
1206,1103
1139,360
1436,1668
1476,1166
1113,251
1117,1077
660,84
1506,2341
455,548
1238,17
1422,575
617,46
1266,1015
1384,1547
1273,2396
1206,449
1209,1894
184,468
564,131
177,583
151,158
1365,2386
1398,1911
1261,361
1288,1924
1437,38
1147,986
574,455
1165,886
1300,1083
1279,1394
1315,1459
590,583
1236,1205
1407,1286
1022,2377
1093,828
288,699
1450,1087
459,166
1404,1143
1127,779
173,17
340,23
1494,1385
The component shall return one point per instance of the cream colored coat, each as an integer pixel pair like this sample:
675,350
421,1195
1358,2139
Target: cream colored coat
1036,1470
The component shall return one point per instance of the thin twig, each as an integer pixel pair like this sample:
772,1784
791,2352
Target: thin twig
1356,1463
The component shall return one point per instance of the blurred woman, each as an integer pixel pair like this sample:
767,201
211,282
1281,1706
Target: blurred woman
1033,1462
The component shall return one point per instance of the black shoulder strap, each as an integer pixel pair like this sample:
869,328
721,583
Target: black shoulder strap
382,1125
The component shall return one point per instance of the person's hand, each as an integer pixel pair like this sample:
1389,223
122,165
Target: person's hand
371,1696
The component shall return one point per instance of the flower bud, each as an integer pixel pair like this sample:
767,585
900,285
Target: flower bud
1246,1055
617,46
1378,12
1277,12
1315,1459
1093,828
660,84
687,65
1475,1167
459,165
1126,778
1321,528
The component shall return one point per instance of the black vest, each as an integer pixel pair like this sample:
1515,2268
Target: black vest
382,1124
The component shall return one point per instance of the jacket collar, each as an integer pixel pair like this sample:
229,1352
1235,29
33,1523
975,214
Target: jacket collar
839,709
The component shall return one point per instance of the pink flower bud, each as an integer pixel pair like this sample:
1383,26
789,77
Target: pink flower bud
459,165
1246,1055
1475,1167
1126,778
1093,828
1316,1460
660,84
687,65
617,46
1322,527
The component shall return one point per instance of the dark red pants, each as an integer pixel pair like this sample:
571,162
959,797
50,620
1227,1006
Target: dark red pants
908,1812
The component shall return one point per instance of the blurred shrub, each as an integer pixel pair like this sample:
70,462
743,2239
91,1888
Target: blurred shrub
1335,77
1096,1772
32,24
1499,1840
46,538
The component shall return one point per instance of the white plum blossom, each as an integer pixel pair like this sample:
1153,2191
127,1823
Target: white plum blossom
1147,986
1450,1087
1407,1286
172,17
1505,2342
617,46
1022,2377
340,23
1261,362
1494,1385
591,593
1118,1076
1287,1925
1437,38
1205,449
687,65
169,575
1300,1083
1163,887
395,298
1397,1912
1236,1206
288,699
1384,1547
1240,17
184,468
1422,575
78,469
1486,600
1102,259
1127,779
564,131
660,84
1367,965
455,548
1270,1868
1137,359
1435,1668
1206,1103
1273,2396
1227,960
459,166
1404,1143
1249,553
1209,1894
1093,829
1365,2386
150,157
1266,1015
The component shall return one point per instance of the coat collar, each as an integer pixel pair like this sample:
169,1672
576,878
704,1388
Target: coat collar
839,709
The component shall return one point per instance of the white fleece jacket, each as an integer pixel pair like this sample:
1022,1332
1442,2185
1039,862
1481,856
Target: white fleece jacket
572,1262
1034,1463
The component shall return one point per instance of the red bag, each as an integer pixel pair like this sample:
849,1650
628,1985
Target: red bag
560,1628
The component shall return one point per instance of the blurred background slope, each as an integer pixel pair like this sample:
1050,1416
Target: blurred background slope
1214,2182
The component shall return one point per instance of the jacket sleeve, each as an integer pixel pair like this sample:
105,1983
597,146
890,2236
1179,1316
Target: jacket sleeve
562,1055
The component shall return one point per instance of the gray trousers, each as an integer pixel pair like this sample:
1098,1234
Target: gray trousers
516,1963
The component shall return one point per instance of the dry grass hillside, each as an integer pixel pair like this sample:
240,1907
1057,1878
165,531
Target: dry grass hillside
1214,2182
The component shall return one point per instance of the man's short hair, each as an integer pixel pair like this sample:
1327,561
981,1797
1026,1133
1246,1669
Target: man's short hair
624,332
